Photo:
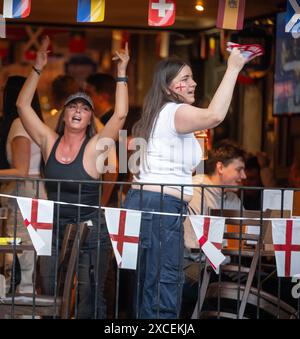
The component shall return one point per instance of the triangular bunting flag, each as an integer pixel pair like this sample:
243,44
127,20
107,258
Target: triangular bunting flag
16,8
231,14
209,232
124,230
90,10
161,12
286,240
38,218
292,18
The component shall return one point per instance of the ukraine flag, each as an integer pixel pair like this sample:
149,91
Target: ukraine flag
90,10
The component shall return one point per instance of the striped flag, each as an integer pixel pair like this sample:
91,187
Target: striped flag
16,8
90,10
231,14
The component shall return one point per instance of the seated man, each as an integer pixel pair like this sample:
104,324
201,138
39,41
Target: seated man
225,166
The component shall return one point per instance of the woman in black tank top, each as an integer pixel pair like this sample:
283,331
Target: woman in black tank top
71,153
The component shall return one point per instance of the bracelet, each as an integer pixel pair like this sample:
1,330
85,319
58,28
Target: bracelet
38,71
122,79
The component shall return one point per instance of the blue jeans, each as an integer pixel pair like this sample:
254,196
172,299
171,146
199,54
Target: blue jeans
159,273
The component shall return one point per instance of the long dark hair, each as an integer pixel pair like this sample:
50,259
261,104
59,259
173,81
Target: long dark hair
158,95
11,92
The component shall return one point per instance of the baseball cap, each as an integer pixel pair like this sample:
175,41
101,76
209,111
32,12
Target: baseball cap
79,95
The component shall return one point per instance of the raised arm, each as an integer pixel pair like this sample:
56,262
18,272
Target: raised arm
189,118
38,131
116,122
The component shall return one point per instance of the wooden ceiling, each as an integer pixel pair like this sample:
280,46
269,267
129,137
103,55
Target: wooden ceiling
133,13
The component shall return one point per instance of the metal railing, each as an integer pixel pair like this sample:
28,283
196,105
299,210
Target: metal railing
269,295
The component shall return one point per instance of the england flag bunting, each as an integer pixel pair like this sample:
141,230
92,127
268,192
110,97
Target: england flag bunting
38,219
209,232
124,229
161,12
286,240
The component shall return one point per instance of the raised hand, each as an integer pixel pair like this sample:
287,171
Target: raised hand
236,59
42,53
122,58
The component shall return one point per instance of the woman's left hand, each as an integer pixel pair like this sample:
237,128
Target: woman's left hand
122,58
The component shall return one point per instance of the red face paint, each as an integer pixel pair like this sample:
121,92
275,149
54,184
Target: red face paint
180,87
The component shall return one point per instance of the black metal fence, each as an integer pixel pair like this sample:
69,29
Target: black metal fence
246,285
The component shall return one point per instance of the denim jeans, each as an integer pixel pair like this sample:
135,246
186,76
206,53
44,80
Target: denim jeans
159,275
88,275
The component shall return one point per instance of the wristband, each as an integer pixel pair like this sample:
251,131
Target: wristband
122,79
38,71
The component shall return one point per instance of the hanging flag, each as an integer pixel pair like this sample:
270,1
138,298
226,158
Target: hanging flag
38,218
161,12
292,18
124,231
212,46
16,8
231,14
202,46
286,240
90,10
2,31
209,232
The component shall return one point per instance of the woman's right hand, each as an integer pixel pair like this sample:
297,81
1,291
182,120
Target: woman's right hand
42,54
236,60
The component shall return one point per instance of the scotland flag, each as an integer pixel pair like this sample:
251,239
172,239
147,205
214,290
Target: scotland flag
293,16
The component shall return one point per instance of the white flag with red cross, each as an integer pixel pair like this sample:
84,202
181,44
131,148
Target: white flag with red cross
124,230
209,232
38,219
286,240
161,12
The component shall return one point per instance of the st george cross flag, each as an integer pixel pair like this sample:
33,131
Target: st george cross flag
161,12
38,218
292,19
16,8
124,230
209,232
231,14
249,51
286,240
90,10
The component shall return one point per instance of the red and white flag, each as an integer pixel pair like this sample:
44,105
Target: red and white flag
209,232
124,230
161,12
231,14
38,218
286,240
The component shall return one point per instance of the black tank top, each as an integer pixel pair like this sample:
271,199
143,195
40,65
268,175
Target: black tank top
69,192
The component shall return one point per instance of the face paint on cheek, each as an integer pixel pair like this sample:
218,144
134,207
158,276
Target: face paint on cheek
180,87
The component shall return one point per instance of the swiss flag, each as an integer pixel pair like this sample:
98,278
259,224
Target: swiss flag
161,12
